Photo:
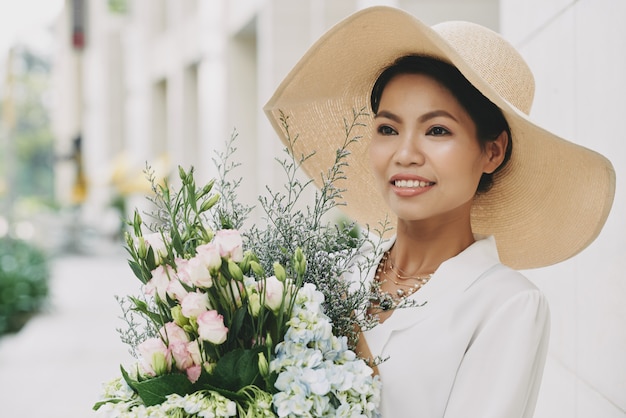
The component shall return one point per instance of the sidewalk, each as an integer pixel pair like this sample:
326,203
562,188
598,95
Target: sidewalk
55,366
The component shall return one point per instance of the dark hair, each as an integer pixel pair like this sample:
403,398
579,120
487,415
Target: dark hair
487,117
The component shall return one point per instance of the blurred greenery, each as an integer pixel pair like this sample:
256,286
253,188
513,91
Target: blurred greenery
27,171
27,157
118,6
24,279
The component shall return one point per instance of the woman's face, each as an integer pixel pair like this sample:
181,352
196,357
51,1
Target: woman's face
424,152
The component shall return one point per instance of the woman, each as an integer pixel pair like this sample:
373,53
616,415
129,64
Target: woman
477,190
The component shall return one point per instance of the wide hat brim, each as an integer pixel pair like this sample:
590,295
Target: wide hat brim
548,204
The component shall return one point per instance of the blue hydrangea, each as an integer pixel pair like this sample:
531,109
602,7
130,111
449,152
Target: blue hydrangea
318,376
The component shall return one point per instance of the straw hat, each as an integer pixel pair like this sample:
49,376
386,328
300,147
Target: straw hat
546,205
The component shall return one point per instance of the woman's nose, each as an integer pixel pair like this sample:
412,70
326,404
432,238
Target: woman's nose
410,152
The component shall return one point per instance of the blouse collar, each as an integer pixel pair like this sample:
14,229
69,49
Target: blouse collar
453,277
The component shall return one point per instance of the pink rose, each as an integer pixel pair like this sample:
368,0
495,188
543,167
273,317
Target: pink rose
210,253
156,358
195,303
176,290
230,244
160,281
171,333
193,373
182,356
194,350
181,270
198,272
211,327
274,292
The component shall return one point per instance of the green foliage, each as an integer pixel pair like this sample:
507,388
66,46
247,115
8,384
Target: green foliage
236,369
27,161
154,391
24,275
118,6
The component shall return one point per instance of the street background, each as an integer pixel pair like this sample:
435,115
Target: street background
92,90
55,366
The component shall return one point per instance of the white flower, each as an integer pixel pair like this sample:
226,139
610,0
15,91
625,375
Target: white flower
194,304
210,255
316,381
160,281
159,249
199,271
274,292
312,363
230,244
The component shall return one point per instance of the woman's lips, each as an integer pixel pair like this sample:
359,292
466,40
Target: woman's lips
408,186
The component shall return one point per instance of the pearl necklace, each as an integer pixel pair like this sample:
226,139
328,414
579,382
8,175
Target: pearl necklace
386,300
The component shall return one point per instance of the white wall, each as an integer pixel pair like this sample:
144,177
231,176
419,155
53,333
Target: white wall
577,51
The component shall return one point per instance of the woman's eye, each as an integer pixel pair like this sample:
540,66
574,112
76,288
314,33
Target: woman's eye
386,130
438,131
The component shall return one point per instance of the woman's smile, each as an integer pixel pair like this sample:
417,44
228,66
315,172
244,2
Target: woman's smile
408,185
424,151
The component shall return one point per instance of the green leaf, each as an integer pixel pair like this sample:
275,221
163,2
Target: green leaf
97,405
154,391
127,378
177,242
137,270
237,369
149,260
237,322
203,384
142,307
191,196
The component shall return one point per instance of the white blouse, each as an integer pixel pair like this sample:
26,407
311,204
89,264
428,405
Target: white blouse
475,349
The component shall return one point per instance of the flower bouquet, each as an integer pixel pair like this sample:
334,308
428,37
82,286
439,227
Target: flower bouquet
240,324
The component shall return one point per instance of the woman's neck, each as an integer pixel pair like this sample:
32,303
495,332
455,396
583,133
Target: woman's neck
421,247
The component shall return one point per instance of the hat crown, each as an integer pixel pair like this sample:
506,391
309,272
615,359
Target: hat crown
494,59
550,201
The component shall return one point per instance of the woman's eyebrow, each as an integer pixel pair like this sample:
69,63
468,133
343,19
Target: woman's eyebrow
423,118
436,113
388,115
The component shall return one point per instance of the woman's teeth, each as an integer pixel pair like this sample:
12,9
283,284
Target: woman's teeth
411,183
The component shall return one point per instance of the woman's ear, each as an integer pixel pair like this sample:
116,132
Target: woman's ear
495,151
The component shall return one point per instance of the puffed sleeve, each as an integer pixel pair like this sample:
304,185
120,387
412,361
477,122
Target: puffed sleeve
500,374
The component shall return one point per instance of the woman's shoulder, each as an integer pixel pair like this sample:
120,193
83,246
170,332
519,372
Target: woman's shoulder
504,286
505,277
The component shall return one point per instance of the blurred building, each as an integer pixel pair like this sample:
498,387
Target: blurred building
143,79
